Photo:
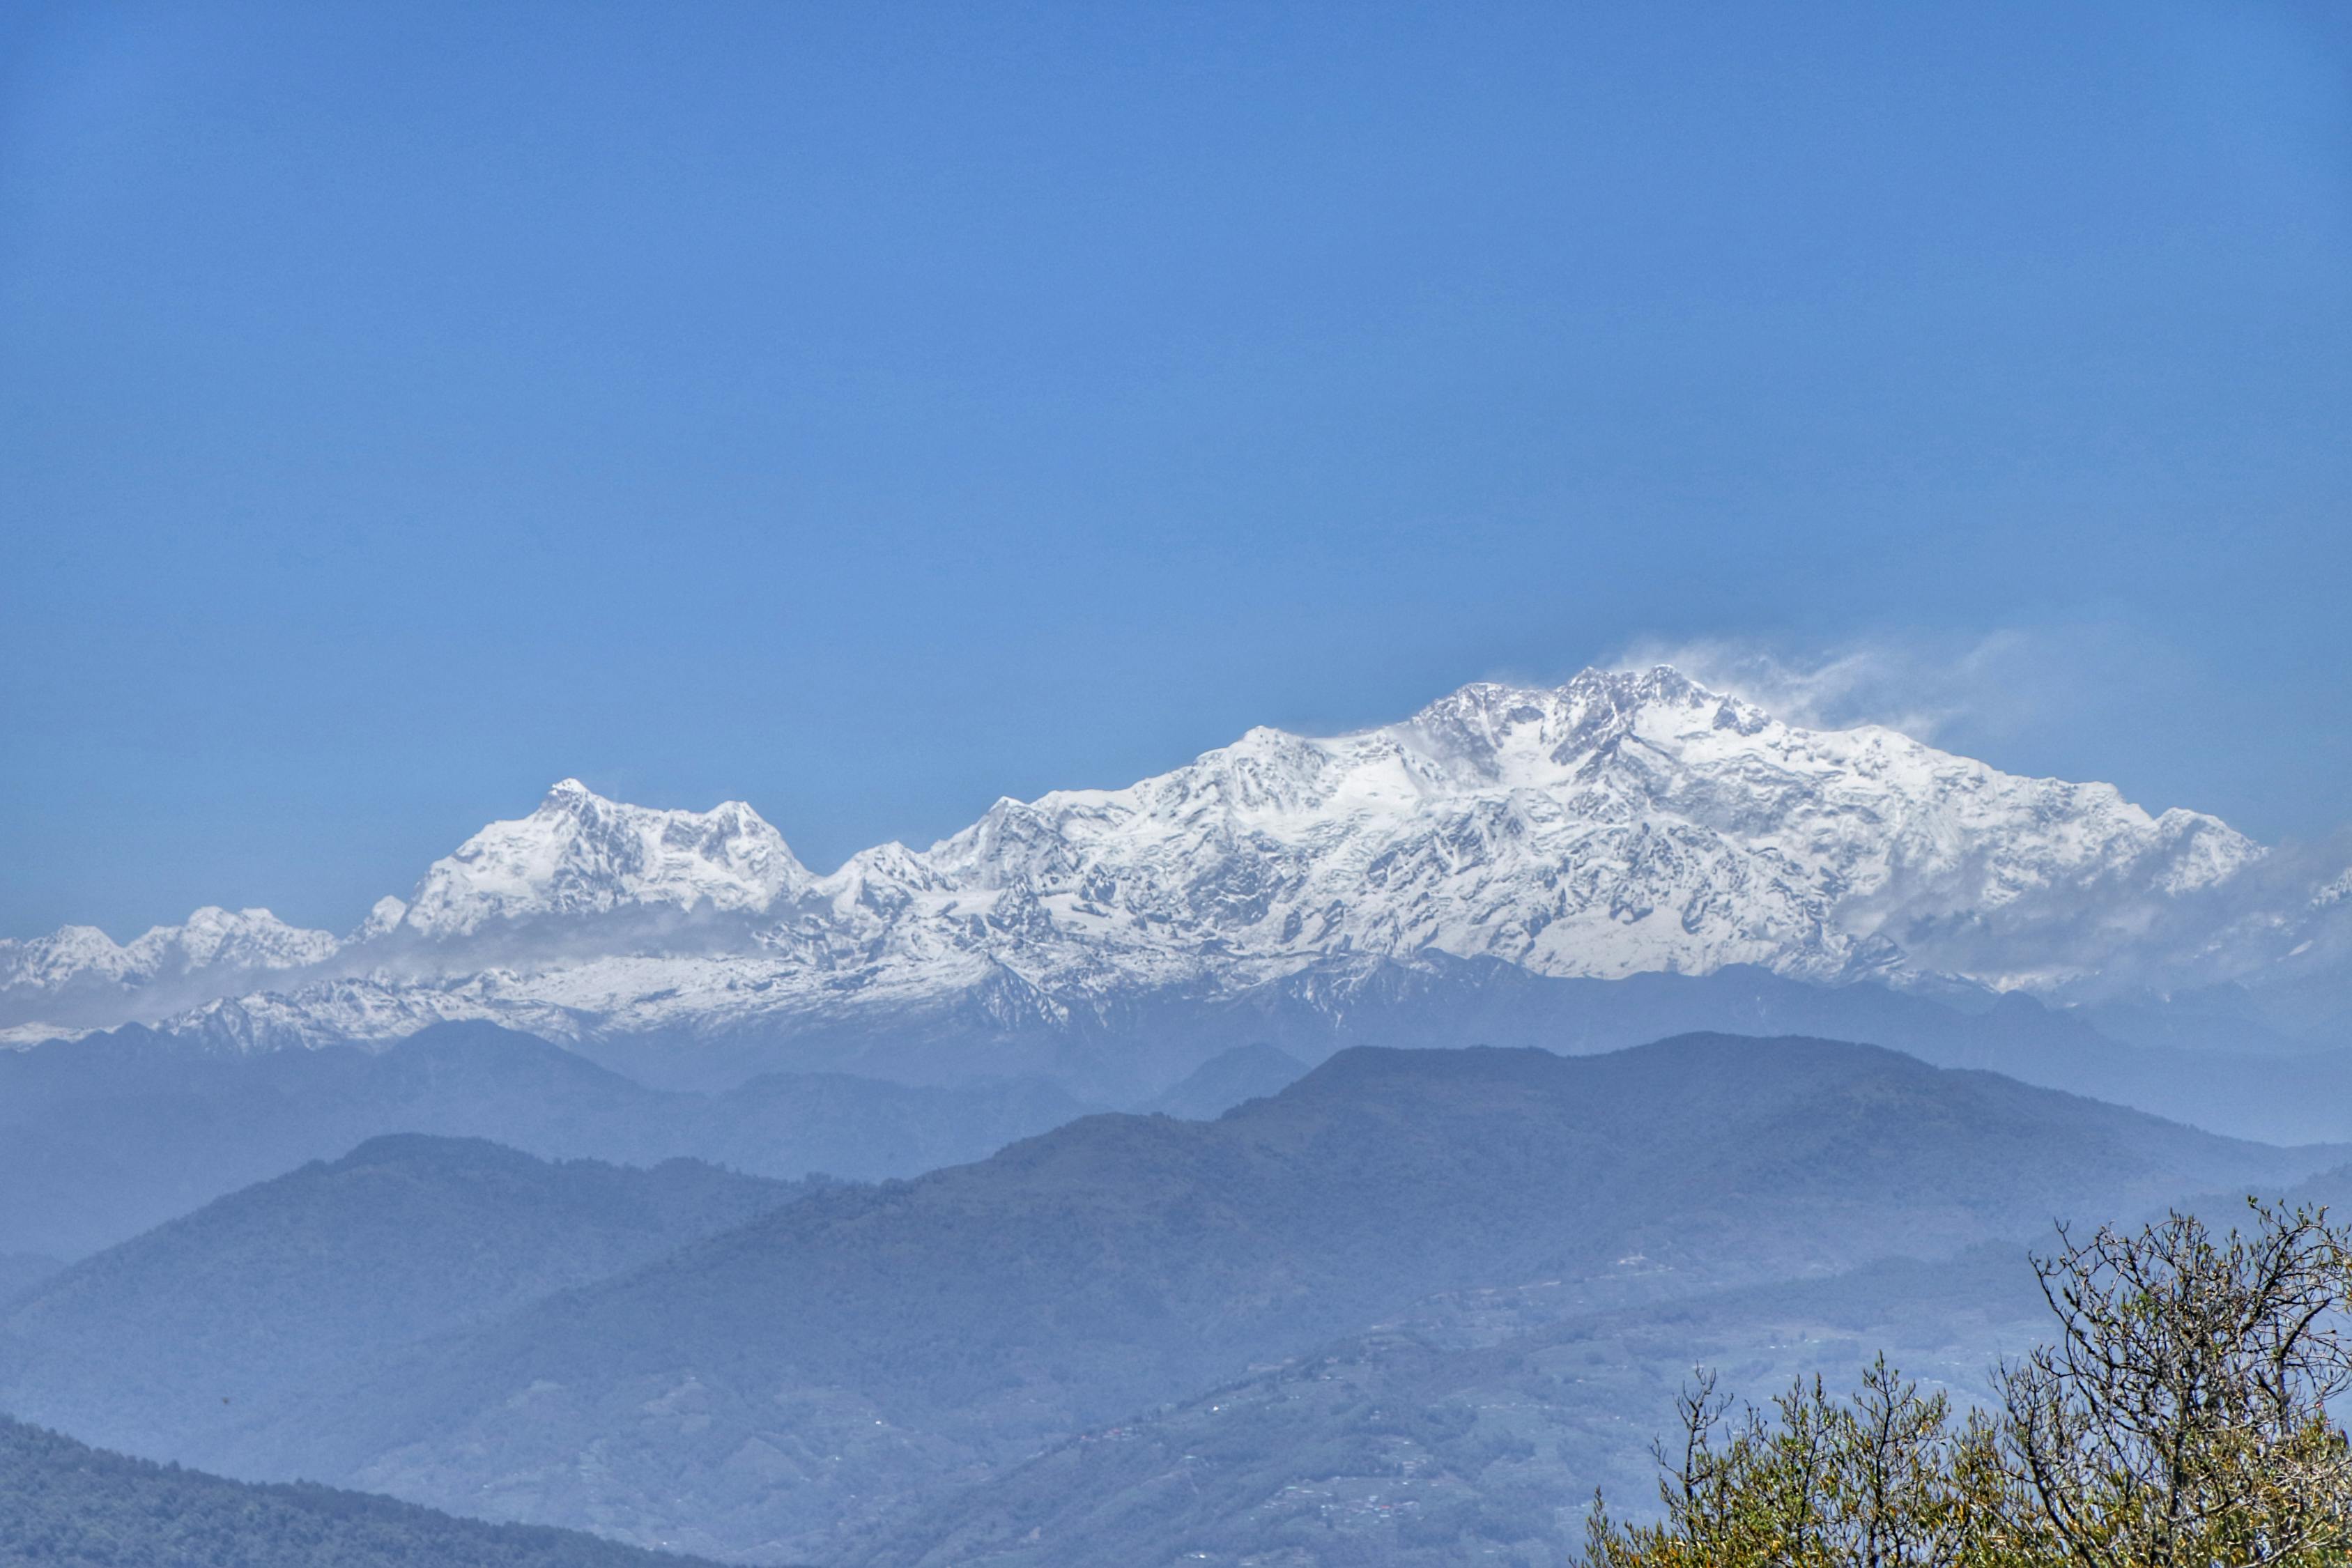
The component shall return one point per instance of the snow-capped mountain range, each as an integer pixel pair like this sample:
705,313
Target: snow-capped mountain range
212,939
1621,824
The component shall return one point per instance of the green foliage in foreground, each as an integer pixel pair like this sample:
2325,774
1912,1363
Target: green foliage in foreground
63,1505
2179,1420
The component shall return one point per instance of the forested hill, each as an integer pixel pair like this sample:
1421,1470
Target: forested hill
842,1356
64,1505
171,1342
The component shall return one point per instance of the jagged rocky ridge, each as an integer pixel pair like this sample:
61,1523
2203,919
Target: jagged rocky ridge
1621,824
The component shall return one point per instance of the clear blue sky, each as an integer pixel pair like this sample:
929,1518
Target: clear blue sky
867,411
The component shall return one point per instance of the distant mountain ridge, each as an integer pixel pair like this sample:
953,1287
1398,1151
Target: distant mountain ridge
1622,824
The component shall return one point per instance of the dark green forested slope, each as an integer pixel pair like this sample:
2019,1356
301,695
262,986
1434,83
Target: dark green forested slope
63,1505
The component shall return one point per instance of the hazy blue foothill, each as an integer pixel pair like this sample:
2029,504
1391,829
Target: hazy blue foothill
113,1133
173,1342
2213,1061
797,1383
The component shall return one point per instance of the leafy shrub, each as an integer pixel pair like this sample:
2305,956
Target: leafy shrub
2177,1420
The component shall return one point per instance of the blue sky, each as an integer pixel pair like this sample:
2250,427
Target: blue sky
868,412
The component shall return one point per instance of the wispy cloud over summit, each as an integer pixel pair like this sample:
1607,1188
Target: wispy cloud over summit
1954,690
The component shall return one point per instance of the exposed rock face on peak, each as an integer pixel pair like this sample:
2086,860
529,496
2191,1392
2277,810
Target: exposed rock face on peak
1623,823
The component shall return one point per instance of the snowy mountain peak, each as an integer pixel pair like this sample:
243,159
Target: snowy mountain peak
1624,822
66,955
580,854
382,918
238,941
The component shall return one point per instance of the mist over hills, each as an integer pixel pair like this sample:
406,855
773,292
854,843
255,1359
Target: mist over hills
788,1387
108,1136
104,1137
